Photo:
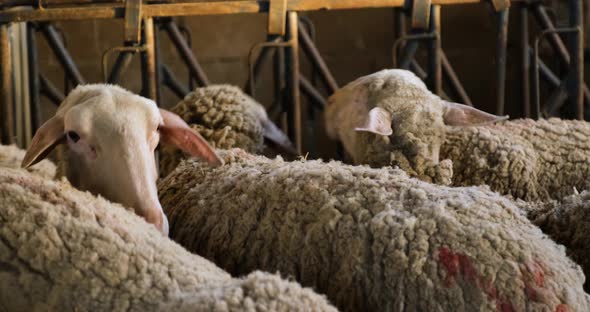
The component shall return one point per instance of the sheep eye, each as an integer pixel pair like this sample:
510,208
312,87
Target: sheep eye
73,136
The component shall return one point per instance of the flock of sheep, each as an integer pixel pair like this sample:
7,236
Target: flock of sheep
445,207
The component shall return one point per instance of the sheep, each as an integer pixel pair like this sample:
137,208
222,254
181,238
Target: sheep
533,160
226,117
109,136
11,156
369,239
397,121
566,222
62,249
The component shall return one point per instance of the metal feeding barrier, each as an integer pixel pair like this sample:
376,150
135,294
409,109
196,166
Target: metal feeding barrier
287,32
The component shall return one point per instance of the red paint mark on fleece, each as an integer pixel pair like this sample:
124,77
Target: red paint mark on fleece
562,308
460,265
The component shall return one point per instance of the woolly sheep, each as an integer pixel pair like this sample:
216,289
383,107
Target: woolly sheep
65,250
414,129
109,136
11,156
527,159
567,222
226,117
370,239
390,118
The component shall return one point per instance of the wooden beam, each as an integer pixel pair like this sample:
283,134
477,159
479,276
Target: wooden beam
277,17
110,11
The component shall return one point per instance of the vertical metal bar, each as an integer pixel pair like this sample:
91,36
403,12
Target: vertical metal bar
62,53
186,53
157,60
319,64
292,67
279,81
264,54
34,84
501,42
576,49
535,81
149,73
525,59
434,48
6,87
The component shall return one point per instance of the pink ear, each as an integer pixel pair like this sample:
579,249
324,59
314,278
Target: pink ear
176,132
377,121
46,138
455,114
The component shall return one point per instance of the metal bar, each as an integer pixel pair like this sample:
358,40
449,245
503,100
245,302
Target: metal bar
535,64
546,72
6,105
314,55
279,80
150,74
556,42
409,52
121,63
50,90
186,53
399,41
292,69
264,54
172,83
576,49
400,27
525,59
501,43
418,70
558,97
62,53
34,85
451,76
434,48
312,93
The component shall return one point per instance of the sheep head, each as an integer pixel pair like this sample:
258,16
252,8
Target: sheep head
391,118
110,136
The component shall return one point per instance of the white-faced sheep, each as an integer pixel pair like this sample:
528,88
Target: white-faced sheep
227,118
398,121
110,135
65,250
370,239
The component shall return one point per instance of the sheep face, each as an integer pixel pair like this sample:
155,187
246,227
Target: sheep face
111,135
391,118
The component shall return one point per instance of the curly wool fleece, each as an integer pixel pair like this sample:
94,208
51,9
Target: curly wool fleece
224,115
370,239
11,156
65,250
411,148
528,159
568,223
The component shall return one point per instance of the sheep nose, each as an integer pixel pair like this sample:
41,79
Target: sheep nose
153,214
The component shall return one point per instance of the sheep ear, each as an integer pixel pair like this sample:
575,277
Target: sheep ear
176,132
49,135
377,121
275,135
455,114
